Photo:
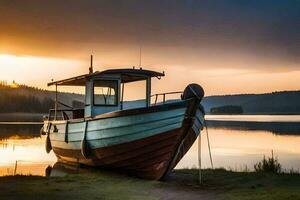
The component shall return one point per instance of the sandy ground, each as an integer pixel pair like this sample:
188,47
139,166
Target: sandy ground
218,185
174,193
98,186
183,186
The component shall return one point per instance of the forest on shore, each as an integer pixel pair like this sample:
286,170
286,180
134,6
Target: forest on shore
276,103
233,110
19,98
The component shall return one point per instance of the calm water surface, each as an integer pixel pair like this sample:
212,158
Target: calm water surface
236,143
255,118
23,144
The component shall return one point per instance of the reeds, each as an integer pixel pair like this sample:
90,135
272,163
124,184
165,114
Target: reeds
270,164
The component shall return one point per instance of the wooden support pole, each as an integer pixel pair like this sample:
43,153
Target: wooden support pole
91,70
148,92
122,95
199,159
55,110
156,98
16,166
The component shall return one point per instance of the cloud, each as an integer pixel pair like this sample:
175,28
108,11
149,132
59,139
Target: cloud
264,34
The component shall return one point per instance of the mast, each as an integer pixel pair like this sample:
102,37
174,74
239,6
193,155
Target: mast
140,62
91,67
55,110
148,91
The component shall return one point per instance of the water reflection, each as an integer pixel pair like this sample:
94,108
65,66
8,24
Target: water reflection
255,118
22,150
287,128
20,130
237,149
234,146
63,169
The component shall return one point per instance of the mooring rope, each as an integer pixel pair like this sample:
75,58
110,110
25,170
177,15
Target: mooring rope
199,153
208,144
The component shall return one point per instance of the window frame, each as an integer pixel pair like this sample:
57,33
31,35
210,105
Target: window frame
116,93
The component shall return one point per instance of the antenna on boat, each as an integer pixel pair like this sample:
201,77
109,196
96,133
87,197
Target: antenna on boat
91,67
140,63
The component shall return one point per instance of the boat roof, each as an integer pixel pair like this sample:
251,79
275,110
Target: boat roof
127,75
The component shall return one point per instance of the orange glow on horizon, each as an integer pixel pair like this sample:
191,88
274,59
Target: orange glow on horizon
38,71
14,85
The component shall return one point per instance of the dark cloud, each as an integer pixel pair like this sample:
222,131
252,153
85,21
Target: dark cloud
261,28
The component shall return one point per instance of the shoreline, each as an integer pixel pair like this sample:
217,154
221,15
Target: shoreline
38,117
21,117
181,184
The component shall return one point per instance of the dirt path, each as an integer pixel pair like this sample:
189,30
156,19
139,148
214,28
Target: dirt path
99,186
174,193
181,185
185,187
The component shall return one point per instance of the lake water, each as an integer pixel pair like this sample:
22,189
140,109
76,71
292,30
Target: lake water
237,143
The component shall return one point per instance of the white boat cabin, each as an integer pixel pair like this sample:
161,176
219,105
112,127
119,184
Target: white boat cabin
104,92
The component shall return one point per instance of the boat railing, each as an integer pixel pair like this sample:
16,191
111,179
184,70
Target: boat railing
163,96
63,104
65,114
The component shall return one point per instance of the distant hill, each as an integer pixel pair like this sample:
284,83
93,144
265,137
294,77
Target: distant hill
22,98
232,110
285,102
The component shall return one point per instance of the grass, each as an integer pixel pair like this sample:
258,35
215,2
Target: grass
218,184
268,165
249,185
83,186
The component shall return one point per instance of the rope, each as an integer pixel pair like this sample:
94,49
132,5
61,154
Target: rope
195,93
61,103
199,142
208,144
199,153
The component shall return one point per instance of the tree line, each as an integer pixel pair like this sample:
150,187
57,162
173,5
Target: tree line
12,100
228,109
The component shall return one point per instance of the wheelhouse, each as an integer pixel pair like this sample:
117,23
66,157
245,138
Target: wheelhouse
104,92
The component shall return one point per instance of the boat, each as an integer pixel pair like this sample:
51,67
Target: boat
146,141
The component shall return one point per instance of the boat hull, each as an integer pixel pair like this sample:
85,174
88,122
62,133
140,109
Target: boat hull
146,142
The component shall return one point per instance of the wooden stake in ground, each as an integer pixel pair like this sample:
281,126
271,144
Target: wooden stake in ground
199,158
16,165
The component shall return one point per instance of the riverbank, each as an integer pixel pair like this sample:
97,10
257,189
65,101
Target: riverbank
21,117
182,184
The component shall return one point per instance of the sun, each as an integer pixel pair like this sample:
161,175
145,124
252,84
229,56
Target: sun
6,59
36,70
14,85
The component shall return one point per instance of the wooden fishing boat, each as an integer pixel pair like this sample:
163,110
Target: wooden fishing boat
146,142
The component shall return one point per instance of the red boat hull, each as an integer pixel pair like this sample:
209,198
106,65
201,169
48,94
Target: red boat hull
151,158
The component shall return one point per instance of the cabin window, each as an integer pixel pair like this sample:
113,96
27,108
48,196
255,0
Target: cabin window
105,92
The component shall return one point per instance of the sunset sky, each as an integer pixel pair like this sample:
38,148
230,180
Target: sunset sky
229,47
